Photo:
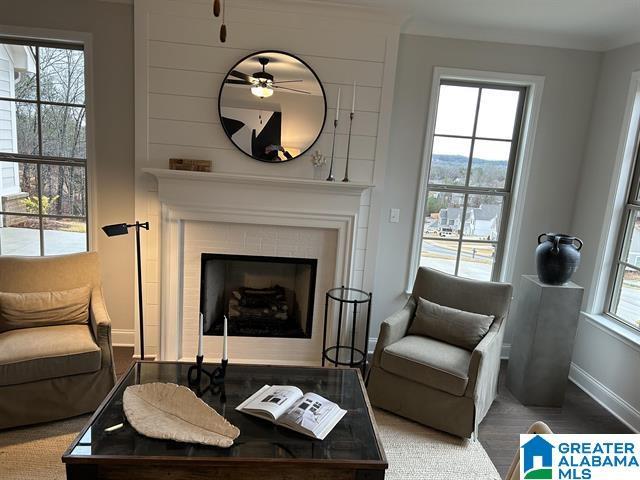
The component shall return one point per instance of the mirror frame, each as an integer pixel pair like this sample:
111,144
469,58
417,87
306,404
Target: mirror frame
324,99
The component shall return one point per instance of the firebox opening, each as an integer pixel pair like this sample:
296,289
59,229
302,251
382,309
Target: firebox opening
261,296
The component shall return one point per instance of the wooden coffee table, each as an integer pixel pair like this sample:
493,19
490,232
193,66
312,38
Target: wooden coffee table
262,451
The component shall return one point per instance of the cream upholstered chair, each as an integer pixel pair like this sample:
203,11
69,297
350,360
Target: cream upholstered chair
430,381
539,428
53,372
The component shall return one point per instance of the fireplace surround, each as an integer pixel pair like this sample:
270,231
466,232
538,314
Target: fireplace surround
250,215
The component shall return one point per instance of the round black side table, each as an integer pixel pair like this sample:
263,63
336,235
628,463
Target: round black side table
347,355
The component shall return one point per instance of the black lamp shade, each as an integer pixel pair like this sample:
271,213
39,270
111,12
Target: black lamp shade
117,229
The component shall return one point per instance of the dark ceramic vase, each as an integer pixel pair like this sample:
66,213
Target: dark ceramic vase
557,257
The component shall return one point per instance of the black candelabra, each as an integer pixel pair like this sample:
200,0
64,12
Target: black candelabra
331,177
213,380
346,168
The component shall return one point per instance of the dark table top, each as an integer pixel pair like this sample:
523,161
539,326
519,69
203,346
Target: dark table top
353,440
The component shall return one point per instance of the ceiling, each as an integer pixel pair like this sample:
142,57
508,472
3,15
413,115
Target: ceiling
583,24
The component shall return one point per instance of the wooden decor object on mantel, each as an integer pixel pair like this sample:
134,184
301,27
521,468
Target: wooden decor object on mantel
190,165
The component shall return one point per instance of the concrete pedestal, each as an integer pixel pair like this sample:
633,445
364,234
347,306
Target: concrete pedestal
544,328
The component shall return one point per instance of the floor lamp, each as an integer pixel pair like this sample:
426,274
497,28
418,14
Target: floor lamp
123,229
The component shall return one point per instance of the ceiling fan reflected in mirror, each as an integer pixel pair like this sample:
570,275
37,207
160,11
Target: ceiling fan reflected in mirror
262,83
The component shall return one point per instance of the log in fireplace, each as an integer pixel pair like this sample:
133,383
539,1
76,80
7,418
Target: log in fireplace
261,296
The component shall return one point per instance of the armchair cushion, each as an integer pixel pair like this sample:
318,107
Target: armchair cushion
31,354
430,362
39,309
453,326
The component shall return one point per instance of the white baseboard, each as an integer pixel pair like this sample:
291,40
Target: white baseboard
122,337
372,345
610,400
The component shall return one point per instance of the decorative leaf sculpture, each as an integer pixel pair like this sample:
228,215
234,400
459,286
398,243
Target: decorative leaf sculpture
173,412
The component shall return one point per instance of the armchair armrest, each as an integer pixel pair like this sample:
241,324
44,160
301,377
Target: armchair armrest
394,328
101,325
484,368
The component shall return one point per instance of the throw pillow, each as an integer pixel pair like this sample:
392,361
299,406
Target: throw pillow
39,309
450,325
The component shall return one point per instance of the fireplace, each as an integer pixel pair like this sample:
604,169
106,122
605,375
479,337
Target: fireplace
261,296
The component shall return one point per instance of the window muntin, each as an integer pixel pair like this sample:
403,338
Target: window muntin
624,289
43,148
473,153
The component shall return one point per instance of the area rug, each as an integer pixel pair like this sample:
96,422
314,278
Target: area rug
414,452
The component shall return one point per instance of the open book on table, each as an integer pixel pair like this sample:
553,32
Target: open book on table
306,413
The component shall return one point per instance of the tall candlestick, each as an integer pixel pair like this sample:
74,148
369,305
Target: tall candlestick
353,100
200,333
224,341
338,105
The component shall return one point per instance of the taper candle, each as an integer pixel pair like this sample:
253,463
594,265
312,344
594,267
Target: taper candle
224,341
200,333
338,105
353,100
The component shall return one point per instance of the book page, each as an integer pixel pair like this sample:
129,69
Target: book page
310,414
275,400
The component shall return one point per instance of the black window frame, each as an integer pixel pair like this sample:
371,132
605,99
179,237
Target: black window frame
41,160
466,190
623,243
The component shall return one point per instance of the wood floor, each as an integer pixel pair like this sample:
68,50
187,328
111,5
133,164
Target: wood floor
507,417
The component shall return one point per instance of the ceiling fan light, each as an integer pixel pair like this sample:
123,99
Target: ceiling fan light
260,91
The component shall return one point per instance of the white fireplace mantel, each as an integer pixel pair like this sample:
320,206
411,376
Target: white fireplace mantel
250,200
339,187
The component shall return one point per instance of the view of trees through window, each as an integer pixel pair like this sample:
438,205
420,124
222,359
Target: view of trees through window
43,185
625,284
473,152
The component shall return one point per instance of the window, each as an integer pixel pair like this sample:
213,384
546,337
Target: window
43,167
624,298
470,175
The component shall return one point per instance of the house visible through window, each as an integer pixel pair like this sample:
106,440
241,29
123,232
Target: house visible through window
474,149
624,298
43,180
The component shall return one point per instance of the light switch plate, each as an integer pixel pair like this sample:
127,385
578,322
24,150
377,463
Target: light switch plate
394,215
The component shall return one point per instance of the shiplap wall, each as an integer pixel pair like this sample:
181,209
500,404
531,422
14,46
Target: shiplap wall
180,65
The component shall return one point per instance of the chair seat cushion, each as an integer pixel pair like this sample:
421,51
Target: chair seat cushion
430,362
31,354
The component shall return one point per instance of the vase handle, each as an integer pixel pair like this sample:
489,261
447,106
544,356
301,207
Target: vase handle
579,247
556,244
540,237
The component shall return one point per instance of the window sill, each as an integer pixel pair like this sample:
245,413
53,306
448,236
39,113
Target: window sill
616,329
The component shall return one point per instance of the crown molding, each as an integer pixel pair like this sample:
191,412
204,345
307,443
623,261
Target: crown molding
503,35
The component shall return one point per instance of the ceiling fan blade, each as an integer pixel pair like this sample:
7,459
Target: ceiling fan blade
287,81
292,90
238,82
243,76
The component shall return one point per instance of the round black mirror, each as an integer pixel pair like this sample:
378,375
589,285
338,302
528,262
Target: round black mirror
272,106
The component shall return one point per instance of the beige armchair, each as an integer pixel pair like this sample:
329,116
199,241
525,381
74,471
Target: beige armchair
538,428
429,381
53,372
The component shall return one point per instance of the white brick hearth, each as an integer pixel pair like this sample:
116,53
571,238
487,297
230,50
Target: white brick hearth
250,215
